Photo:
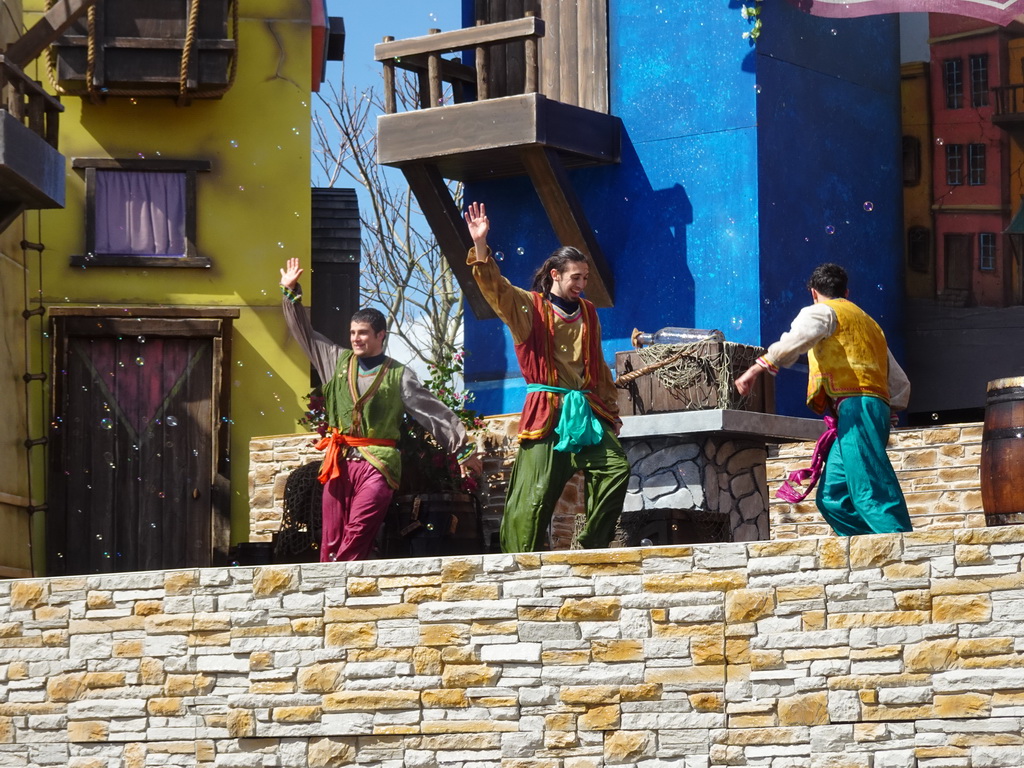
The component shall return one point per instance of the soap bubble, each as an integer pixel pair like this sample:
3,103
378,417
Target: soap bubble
140,360
939,141
141,339
520,250
869,206
499,256
106,424
171,421
830,230
646,543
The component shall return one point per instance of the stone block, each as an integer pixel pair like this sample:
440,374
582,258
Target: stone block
591,609
967,609
445,698
468,675
600,718
745,605
353,635
874,551
88,731
627,747
271,581
370,701
805,709
319,678
962,705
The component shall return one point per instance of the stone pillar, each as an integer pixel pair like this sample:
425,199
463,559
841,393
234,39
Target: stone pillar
712,474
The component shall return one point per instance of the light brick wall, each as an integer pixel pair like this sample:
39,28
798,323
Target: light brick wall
938,469
892,651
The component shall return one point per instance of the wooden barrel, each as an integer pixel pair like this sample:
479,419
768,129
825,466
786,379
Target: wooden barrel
1002,452
433,524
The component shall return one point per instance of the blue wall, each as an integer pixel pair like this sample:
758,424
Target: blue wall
735,160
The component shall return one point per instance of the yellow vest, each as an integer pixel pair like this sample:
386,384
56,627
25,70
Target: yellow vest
852,361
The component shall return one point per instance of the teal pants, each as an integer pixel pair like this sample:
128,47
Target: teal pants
859,491
538,478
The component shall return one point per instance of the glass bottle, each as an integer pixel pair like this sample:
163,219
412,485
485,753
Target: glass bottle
673,335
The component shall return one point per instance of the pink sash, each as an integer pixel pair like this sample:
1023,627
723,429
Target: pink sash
793,488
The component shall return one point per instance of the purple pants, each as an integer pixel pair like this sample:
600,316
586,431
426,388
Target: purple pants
355,504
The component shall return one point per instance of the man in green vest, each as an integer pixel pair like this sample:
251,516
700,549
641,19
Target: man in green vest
854,377
366,394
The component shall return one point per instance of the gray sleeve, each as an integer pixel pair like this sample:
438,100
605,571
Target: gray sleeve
432,414
320,350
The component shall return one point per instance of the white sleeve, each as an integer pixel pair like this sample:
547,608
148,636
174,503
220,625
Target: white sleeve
813,324
899,386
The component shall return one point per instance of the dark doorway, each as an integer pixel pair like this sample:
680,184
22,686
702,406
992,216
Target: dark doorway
138,455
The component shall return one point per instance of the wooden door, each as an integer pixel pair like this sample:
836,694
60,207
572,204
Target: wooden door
136,442
958,262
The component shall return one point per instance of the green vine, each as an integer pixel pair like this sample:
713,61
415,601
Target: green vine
752,14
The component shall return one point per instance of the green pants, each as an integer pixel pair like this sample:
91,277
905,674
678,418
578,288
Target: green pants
859,491
538,478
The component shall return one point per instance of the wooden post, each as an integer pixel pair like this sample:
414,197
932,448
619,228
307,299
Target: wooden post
16,104
52,126
434,74
482,72
530,62
35,114
389,82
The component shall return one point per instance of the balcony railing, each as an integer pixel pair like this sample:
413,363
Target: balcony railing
25,100
422,57
1009,105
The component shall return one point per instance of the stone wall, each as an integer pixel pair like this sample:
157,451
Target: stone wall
893,651
938,469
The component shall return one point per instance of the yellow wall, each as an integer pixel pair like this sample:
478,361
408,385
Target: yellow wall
253,212
917,199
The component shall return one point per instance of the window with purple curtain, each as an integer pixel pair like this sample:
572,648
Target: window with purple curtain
140,213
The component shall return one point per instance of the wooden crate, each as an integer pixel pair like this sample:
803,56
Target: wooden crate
647,394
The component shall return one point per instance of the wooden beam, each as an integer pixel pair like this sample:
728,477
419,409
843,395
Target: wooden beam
461,39
568,219
44,32
452,234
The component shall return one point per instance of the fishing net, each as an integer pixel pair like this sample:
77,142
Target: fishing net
301,524
700,374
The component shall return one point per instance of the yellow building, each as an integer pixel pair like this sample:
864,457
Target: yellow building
187,186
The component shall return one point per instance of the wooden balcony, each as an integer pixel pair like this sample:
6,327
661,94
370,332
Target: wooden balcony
497,125
1009,107
31,168
183,50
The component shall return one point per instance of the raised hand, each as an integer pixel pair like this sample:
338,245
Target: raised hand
291,273
479,225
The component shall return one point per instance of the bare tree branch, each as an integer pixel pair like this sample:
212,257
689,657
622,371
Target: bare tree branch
403,271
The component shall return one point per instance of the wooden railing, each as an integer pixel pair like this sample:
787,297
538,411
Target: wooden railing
1009,100
25,99
422,56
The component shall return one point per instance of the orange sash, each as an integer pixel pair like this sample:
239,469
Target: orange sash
333,443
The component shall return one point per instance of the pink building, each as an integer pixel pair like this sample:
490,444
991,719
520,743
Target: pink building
971,197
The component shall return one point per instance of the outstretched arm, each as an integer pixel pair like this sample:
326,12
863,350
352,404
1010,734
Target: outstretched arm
320,350
479,225
291,273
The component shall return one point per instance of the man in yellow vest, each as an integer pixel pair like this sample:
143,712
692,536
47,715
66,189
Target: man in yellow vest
853,376
366,394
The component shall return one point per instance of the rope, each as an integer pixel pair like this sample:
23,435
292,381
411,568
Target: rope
180,91
186,51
